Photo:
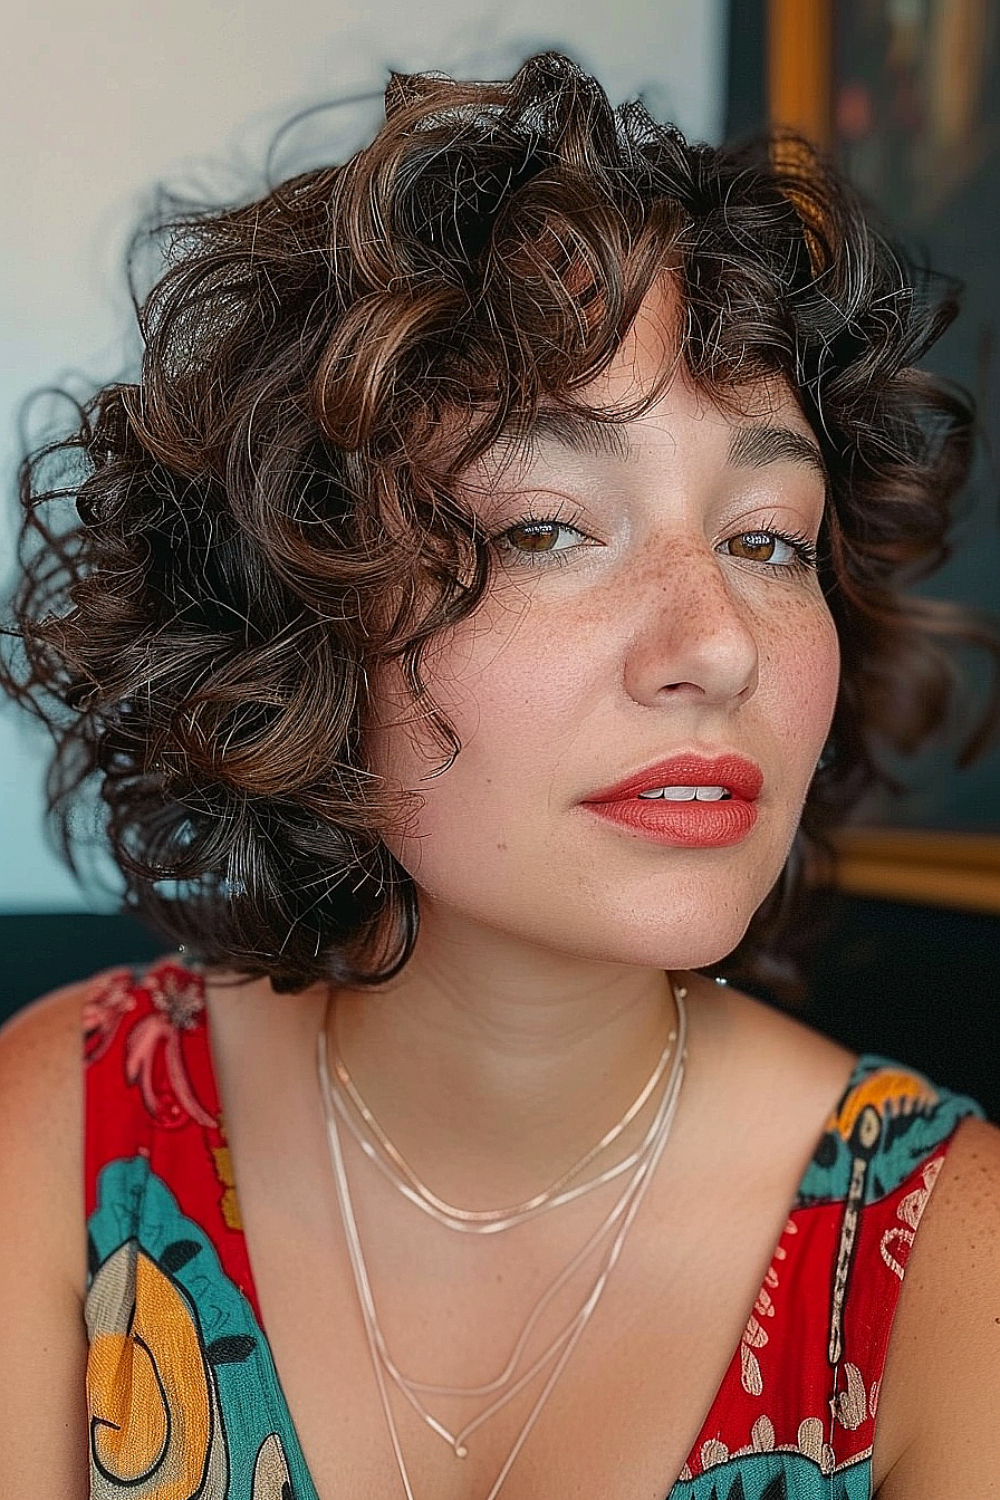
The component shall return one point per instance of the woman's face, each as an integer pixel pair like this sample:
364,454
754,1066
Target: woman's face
648,607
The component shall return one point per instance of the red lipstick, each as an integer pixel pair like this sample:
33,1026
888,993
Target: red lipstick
694,823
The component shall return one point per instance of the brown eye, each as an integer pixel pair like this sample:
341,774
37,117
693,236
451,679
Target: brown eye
755,546
539,536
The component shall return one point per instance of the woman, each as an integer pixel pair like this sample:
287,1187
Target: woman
505,526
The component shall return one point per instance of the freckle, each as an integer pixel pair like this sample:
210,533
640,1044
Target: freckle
502,848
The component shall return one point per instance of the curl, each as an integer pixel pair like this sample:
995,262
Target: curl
220,554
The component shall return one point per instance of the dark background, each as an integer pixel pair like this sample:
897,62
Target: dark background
914,108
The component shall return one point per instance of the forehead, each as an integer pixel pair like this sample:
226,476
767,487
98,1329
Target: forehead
650,359
646,395
645,399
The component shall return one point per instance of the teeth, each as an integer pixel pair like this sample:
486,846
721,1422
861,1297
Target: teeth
687,793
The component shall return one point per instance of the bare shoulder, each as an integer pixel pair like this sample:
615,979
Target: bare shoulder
41,1100
938,1431
43,1444
942,1375
795,1072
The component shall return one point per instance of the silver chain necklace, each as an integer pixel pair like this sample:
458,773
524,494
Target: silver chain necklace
492,1220
622,1214
410,1387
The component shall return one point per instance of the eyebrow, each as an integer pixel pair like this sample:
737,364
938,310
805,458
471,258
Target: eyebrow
755,447
575,430
751,447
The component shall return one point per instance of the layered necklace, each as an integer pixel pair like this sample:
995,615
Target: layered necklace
342,1102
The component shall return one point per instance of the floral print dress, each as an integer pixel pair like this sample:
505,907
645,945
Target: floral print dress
183,1398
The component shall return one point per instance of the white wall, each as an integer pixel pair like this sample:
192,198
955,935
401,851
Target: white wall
102,101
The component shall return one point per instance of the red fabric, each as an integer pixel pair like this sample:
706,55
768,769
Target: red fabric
781,1370
151,1091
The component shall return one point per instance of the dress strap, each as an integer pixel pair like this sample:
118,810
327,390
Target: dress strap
803,1387
151,1094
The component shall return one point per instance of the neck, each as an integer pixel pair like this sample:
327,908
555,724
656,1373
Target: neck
493,1065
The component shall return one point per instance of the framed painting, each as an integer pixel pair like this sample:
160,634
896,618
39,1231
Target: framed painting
905,95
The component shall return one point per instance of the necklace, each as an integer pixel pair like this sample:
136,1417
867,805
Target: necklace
623,1213
492,1220
410,1386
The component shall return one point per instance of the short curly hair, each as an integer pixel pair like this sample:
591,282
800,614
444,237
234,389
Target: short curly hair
274,508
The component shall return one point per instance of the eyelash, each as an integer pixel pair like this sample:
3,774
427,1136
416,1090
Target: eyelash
804,549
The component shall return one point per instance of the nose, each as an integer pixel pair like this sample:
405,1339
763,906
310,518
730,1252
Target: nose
695,637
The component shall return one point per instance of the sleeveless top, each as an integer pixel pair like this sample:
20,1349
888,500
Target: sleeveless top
182,1394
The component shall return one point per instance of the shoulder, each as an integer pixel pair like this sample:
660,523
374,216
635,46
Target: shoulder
772,1067
43,1249
941,1385
43,1048
41,1123
41,1078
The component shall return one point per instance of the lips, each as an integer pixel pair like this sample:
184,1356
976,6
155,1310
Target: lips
741,778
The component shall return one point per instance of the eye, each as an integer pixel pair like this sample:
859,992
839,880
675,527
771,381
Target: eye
535,536
776,548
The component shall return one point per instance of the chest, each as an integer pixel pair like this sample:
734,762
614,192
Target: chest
630,1404
711,1341
625,1410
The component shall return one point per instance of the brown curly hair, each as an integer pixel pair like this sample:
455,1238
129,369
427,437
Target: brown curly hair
273,509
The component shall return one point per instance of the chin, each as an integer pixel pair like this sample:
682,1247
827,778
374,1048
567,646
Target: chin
694,947
684,923
678,937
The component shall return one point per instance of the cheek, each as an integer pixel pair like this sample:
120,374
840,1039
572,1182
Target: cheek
805,676
491,675
501,690
512,695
